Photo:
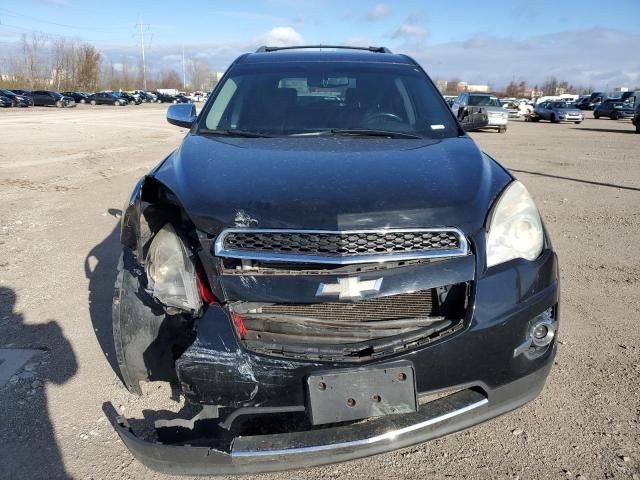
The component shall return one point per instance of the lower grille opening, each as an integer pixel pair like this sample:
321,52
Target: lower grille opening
354,331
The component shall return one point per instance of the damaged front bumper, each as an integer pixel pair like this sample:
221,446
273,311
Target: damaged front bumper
265,453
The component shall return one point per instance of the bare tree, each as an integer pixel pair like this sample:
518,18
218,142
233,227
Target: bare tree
34,58
199,70
88,70
170,79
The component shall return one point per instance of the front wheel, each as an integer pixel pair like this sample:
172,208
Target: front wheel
93,102
59,104
614,116
577,123
83,101
554,119
596,116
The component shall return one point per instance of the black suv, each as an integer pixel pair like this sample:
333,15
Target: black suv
636,116
328,268
613,109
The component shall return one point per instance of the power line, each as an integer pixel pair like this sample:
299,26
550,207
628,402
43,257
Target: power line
63,25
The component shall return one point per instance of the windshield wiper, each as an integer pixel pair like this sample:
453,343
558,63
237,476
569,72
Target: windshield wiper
234,133
373,133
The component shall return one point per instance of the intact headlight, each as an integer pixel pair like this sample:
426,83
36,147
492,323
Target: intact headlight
171,272
515,230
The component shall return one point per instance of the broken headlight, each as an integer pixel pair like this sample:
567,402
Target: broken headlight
515,228
171,272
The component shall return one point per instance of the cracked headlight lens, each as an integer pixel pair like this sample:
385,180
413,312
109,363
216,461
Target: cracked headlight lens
171,272
515,230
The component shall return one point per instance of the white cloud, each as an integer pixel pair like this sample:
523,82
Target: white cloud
281,37
378,11
497,60
410,30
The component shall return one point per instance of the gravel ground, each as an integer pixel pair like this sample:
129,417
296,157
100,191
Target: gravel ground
64,175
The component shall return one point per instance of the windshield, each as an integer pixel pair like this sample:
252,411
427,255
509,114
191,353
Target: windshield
561,105
7,93
484,101
292,98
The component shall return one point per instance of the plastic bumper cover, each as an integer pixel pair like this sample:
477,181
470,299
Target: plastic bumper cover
286,451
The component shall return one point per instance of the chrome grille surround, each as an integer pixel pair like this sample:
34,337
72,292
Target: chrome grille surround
342,247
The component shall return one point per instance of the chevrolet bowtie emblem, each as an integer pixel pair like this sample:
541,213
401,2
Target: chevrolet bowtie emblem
350,288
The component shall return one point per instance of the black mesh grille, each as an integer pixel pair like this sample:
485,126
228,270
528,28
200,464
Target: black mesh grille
406,305
341,244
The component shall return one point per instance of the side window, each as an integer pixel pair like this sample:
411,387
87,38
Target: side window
221,103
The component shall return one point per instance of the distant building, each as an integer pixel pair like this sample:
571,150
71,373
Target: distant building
212,80
478,88
442,85
462,86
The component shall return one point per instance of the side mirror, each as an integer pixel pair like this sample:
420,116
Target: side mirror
182,114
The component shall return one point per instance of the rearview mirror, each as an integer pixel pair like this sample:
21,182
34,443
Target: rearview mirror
182,114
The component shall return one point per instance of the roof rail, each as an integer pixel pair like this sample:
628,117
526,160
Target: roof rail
265,48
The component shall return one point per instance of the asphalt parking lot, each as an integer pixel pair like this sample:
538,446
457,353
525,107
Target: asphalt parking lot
65,175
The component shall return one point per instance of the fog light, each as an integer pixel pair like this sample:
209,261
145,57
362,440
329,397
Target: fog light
543,330
541,333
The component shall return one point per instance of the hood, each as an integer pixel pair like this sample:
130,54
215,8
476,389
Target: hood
332,183
494,109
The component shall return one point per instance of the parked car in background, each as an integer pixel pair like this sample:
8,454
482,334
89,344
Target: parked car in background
45,98
557,112
592,101
497,115
152,96
614,110
130,99
5,102
165,98
79,97
144,96
106,98
636,117
16,99
26,93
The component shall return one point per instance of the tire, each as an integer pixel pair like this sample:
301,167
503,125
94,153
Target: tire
638,128
503,129
59,104
614,116
160,101
577,123
596,115
93,102
83,101
553,119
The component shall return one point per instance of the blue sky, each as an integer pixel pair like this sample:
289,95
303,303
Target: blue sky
587,42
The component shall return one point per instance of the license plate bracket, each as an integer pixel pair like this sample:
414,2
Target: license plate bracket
353,394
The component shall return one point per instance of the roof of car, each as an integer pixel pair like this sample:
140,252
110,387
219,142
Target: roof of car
326,54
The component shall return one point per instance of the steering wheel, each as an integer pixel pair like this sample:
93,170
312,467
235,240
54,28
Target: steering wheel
387,115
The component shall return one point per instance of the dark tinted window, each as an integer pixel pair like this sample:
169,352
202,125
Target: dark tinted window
305,97
484,101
